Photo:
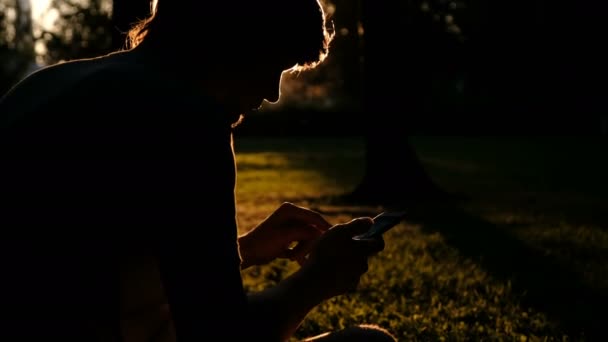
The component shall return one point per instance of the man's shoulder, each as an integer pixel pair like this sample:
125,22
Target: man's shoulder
71,84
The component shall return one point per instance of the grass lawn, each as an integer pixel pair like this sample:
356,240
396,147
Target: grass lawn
524,257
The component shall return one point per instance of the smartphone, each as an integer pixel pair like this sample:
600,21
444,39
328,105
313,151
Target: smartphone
382,223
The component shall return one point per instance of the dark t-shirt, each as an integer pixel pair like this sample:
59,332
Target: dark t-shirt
104,162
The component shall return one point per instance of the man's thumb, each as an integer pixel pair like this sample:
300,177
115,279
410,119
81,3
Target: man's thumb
359,225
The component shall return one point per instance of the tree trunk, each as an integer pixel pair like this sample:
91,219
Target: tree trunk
347,49
393,171
17,55
125,13
23,27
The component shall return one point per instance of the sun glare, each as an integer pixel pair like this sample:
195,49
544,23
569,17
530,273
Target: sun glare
41,15
44,16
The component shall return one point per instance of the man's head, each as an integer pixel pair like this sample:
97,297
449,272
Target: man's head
244,43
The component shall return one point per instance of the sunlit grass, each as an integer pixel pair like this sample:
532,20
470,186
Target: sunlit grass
421,289
424,285
270,173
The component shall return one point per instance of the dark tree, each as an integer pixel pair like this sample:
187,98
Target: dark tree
91,28
16,42
398,61
81,31
346,54
530,61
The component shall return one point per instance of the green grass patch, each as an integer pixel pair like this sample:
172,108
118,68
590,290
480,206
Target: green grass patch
524,258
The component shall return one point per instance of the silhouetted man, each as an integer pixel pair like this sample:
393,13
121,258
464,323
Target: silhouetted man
118,194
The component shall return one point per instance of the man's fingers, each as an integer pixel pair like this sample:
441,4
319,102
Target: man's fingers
357,226
305,237
360,226
305,215
375,245
301,233
370,246
293,255
300,252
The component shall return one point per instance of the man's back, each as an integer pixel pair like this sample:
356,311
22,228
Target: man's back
61,268
102,126
107,161
60,126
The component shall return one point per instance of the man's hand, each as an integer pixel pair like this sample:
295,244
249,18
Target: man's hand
274,236
337,262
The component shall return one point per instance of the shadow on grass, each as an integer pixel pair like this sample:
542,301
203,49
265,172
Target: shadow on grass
547,284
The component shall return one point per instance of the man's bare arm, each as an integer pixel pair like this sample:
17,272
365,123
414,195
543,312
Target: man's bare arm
278,311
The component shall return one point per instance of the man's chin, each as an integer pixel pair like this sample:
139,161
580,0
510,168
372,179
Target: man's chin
251,110
237,120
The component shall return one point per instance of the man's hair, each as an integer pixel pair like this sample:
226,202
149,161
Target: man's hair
232,31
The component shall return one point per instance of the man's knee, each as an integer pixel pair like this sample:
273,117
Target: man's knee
368,332
361,333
